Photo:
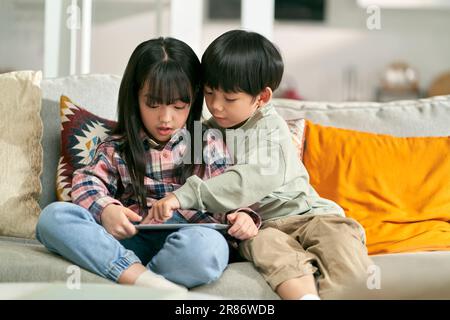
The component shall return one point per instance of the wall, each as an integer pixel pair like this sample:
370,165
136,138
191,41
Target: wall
21,35
114,37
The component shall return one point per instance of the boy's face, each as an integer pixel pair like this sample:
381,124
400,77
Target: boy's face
162,120
230,109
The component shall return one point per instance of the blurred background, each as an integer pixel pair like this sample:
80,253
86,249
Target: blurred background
334,50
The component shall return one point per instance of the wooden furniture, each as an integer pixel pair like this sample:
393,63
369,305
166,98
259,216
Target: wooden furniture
440,86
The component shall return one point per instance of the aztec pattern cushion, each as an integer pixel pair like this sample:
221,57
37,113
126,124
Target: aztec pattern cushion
81,132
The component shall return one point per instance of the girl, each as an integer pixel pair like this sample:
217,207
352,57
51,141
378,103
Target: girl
160,98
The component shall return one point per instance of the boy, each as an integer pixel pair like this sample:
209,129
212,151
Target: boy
304,238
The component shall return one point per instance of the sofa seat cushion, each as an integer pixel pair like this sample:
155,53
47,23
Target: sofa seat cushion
240,281
29,261
419,275
92,291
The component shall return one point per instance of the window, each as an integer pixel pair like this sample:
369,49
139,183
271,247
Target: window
290,10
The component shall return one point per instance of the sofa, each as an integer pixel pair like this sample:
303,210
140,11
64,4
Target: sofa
416,275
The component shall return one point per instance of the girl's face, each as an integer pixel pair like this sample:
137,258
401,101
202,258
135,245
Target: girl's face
162,120
230,109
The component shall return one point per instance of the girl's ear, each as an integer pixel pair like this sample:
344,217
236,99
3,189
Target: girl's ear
265,96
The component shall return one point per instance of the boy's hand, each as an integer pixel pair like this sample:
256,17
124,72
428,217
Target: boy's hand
243,226
162,210
116,220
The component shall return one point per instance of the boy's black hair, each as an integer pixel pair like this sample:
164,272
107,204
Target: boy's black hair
172,70
242,61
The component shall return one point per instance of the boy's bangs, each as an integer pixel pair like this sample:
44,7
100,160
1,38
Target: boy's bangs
228,76
168,84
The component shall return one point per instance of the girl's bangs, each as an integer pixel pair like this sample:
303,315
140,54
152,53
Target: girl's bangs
167,84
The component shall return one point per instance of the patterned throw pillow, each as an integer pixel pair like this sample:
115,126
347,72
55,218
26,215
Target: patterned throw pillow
81,132
297,128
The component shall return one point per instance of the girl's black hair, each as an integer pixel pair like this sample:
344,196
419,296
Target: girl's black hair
172,70
242,61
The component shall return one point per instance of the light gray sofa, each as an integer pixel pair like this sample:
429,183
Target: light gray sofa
424,275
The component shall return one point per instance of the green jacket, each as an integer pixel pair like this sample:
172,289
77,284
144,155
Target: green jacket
266,174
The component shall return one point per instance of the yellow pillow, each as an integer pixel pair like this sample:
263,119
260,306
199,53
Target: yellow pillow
397,188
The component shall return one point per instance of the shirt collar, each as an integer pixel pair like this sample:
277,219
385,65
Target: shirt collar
256,116
150,142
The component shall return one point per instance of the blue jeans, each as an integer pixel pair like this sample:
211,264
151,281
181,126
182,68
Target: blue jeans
190,256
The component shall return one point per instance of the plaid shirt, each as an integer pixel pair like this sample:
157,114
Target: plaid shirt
106,180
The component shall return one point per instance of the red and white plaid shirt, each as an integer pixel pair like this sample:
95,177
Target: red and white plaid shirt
106,180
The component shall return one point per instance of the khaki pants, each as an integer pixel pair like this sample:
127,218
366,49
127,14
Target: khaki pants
329,246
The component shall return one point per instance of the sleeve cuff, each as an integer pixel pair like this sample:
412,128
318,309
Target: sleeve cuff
188,194
100,204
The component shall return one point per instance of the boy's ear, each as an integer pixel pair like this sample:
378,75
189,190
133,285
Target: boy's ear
265,96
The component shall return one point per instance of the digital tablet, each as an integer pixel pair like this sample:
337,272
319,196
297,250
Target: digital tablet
172,226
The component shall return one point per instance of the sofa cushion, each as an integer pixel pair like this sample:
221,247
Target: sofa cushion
409,118
29,261
81,133
96,93
419,275
240,281
94,291
398,188
423,275
20,152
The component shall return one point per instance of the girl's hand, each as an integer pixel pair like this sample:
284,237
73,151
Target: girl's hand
243,226
162,210
116,220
